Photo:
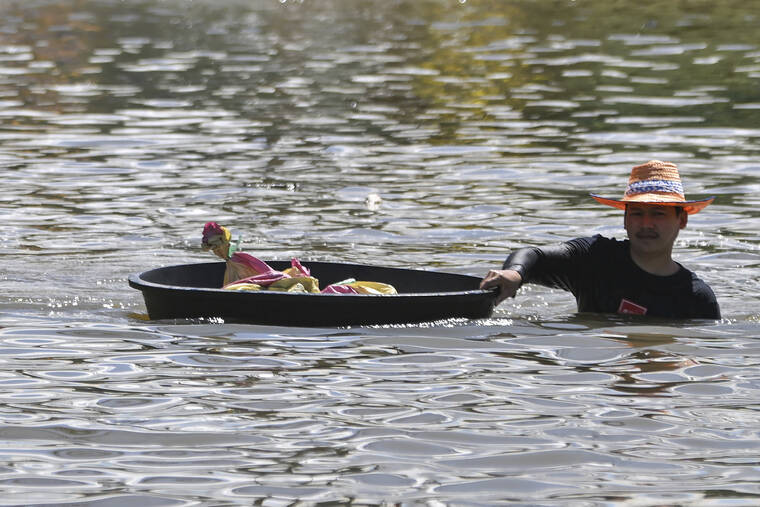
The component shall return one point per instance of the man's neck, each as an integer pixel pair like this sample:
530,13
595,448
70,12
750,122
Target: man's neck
660,264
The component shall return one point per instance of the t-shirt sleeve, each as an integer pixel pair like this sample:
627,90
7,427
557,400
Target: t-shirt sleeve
559,266
706,305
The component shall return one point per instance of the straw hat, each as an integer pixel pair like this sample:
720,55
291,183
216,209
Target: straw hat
657,183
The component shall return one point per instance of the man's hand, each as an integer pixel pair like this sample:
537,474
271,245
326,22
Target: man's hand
507,280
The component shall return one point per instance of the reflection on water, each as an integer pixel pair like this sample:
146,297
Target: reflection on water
410,134
247,412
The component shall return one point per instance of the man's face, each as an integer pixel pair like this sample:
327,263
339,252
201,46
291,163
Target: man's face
653,229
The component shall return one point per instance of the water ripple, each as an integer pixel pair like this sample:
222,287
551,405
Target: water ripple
407,134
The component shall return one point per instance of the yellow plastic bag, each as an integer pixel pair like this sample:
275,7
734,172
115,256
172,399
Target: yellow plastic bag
243,286
237,271
307,283
377,288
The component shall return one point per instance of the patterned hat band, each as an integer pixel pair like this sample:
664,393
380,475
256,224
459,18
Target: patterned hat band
657,186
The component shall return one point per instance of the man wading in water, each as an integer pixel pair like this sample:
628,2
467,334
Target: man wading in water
635,276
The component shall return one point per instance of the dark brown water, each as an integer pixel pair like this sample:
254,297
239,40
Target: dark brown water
430,135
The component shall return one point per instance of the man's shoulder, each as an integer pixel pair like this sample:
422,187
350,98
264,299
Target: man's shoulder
702,295
698,285
599,243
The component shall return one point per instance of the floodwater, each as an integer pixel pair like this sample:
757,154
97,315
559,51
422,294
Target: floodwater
418,134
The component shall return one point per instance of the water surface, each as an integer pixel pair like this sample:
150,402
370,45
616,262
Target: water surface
422,134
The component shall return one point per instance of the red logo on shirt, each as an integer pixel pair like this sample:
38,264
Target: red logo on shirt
631,308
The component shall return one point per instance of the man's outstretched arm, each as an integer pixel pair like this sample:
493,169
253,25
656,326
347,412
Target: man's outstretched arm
552,266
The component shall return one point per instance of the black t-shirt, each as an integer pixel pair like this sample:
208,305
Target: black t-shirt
602,276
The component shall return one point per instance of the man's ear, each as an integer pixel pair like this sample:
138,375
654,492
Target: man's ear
684,218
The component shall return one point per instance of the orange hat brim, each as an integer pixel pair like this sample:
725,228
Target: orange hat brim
690,207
